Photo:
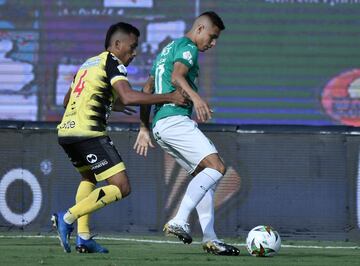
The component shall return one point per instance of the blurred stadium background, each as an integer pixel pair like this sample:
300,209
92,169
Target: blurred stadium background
283,82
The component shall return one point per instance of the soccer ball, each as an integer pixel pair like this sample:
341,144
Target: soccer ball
263,241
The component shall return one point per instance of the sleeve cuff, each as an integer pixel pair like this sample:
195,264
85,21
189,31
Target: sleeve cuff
185,62
117,78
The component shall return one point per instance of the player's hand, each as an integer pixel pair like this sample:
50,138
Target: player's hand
143,142
119,107
202,109
128,110
180,97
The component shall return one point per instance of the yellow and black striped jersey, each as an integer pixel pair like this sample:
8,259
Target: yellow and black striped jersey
91,99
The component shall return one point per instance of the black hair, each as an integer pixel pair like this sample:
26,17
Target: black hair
122,27
215,19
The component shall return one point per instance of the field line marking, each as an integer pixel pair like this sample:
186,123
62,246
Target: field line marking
177,242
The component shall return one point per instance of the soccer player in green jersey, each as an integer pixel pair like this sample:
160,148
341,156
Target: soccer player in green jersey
177,67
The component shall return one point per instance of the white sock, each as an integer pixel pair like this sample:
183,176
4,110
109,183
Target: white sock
195,191
205,210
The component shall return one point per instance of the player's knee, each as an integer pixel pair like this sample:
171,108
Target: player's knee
220,167
122,182
125,189
223,169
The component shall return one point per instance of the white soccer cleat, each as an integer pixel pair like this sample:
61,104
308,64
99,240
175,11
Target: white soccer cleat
217,247
182,231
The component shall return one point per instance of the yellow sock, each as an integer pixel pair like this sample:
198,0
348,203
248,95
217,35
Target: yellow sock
96,200
84,189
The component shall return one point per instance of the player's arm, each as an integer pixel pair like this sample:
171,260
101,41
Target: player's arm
117,75
178,79
120,107
146,108
67,98
130,97
143,140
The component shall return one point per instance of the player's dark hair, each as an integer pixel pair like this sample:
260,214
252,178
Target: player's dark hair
215,19
122,27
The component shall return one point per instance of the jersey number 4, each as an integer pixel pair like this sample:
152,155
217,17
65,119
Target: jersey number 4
80,85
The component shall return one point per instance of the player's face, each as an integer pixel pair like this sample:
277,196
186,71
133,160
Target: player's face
207,37
127,49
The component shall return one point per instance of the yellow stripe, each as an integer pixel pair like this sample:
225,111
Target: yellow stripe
117,78
110,172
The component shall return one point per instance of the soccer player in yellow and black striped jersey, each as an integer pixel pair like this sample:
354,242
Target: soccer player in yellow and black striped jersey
99,86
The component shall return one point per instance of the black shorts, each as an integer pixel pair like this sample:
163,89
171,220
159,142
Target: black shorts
96,154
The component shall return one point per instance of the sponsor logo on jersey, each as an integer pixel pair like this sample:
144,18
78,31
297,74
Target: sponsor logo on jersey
341,98
91,158
122,70
71,113
187,56
68,124
91,62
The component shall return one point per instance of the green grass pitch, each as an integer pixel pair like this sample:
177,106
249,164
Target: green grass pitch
143,251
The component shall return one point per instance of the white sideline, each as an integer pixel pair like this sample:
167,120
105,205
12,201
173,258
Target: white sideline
177,242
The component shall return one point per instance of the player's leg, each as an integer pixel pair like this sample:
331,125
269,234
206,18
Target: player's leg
180,137
205,210
104,161
119,180
86,186
63,228
206,206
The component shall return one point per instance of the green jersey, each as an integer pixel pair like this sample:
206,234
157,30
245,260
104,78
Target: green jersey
180,50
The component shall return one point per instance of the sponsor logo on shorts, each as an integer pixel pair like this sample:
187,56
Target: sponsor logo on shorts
91,158
99,164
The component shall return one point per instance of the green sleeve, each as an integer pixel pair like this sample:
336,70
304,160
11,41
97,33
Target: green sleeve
186,54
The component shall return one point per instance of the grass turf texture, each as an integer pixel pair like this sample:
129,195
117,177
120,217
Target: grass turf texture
47,251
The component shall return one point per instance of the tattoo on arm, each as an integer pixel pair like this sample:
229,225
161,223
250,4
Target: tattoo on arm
183,92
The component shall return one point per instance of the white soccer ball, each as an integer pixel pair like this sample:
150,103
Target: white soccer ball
263,241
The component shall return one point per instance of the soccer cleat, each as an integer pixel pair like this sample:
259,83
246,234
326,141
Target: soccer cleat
181,231
89,246
220,248
63,229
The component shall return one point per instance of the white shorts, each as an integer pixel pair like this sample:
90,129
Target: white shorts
181,138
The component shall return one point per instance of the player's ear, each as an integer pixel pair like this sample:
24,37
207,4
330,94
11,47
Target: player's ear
200,28
118,43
